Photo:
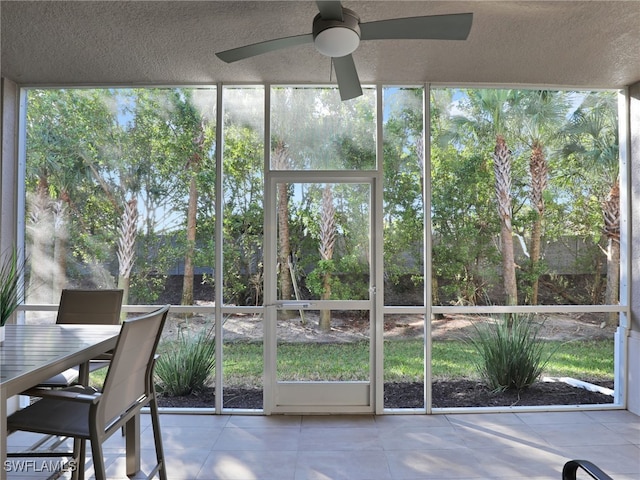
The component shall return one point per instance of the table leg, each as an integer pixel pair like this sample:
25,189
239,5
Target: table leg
3,434
83,374
132,440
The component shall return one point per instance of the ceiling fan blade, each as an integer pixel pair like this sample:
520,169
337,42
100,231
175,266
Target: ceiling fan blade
247,51
347,76
435,27
330,10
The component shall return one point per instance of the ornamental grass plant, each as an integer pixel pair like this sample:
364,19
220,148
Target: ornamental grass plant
11,285
185,365
510,354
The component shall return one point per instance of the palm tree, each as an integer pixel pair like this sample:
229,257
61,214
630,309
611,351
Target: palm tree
540,114
487,118
593,138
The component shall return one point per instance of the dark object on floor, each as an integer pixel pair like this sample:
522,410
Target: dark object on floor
571,468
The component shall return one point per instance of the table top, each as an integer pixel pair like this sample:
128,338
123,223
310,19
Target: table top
32,353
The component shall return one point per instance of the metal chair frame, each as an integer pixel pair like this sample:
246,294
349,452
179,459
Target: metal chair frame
89,307
570,470
85,414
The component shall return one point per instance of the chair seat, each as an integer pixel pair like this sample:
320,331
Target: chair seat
54,417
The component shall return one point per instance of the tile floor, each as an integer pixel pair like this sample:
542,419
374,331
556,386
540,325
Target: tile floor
453,446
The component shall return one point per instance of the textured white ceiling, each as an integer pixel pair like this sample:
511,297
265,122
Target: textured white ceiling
558,43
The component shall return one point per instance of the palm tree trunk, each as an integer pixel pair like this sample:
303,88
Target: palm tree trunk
279,158
126,246
611,212
60,232
192,210
193,166
502,172
539,178
536,240
284,245
39,227
327,242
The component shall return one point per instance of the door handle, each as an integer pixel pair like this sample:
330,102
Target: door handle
295,305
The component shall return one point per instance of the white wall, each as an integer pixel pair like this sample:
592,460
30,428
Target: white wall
633,373
9,95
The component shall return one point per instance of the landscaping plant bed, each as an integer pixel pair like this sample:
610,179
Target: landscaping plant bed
445,393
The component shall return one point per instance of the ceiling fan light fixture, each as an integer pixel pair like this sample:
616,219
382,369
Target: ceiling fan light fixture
337,38
337,41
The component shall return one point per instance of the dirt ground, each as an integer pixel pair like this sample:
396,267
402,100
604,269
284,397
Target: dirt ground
348,328
445,393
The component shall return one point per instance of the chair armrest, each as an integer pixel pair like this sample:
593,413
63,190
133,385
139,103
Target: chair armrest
570,469
85,395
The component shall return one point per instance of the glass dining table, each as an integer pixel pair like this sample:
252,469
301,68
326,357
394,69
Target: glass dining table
30,354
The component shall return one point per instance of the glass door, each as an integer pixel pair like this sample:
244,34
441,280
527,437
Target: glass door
318,348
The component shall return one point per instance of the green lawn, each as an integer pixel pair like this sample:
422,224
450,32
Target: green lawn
243,362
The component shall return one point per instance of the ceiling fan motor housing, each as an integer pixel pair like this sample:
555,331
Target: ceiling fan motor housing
337,38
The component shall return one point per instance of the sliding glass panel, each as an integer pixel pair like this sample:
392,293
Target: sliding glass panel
243,178
404,361
404,235
243,190
243,355
120,192
525,197
324,241
312,129
403,203
309,354
521,360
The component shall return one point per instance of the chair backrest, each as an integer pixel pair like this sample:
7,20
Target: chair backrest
130,374
101,306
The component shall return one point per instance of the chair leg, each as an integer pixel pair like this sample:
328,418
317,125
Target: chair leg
79,454
157,438
98,460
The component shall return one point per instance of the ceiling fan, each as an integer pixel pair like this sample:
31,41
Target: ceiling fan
337,32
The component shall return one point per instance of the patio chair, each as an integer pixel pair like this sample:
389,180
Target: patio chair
77,306
84,414
570,470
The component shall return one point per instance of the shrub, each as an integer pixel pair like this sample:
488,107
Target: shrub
510,354
185,365
11,286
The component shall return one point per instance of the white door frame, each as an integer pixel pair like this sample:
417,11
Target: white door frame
316,397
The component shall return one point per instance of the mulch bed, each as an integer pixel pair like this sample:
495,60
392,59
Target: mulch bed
445,393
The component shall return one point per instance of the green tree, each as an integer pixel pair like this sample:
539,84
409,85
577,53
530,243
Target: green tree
193,137
593,142
403,156
243,198
67,131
